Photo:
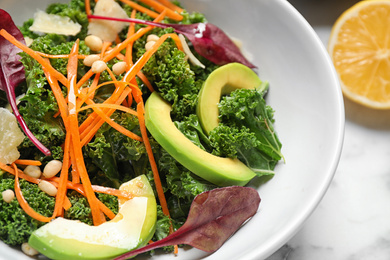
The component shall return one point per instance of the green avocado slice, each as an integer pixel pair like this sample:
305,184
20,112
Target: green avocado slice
220,82
133,227
218,170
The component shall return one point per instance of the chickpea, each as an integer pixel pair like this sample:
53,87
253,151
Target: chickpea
149,45
8,195
119,67
98,66
28,250
33,171
152,37
52,168
48,188
90,59
94,42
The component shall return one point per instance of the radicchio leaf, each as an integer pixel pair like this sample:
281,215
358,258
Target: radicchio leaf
208,40
214,216
12,72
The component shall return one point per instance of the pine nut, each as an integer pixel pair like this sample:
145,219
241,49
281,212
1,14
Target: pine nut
152,37
93,42
33,171
8,195
98,66
90,59
52,168
119,67
47,187
149,45
28,250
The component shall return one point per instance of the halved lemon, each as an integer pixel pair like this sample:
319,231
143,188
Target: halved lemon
359,47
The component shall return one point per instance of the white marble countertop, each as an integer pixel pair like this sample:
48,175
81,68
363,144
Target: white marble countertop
352,222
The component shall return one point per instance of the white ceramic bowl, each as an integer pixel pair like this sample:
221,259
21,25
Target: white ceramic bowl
305,94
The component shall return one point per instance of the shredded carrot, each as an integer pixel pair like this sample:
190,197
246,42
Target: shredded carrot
171,6
67,204
97,216
129,49
87,7
140,8
10,170
62,189
98,122
61,102
90,92
35,55
28,162
156,176
145,81
160,8
23,202
109,121
58,56
113,106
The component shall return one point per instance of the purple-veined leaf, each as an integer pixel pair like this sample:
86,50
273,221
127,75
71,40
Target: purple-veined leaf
208,40
214,216
12,72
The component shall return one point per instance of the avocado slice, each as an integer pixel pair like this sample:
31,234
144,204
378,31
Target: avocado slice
220,82
218,170
133,227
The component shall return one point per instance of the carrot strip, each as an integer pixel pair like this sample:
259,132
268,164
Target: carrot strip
160,8
98,122
156,176
67,204
28,162
97,216
140,8
87,7
171,6
62,189
62,105
129,49
91,91
109,121
35,55
145,81
23,202
113,106
58,56
10,170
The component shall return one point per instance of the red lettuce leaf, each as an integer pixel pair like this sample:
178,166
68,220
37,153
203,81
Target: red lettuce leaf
214,216
12,72
208,40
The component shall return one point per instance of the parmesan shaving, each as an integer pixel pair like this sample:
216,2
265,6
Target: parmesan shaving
107,30
51,23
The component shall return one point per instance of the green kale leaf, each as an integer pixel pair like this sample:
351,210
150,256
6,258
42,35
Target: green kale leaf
246,131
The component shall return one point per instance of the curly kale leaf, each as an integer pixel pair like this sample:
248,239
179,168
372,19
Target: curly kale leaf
180,182
246,131
172,76
192,129
117,156
16,225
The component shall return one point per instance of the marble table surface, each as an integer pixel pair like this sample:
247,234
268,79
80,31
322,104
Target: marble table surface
352,222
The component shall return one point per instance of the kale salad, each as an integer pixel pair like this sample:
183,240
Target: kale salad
117,120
